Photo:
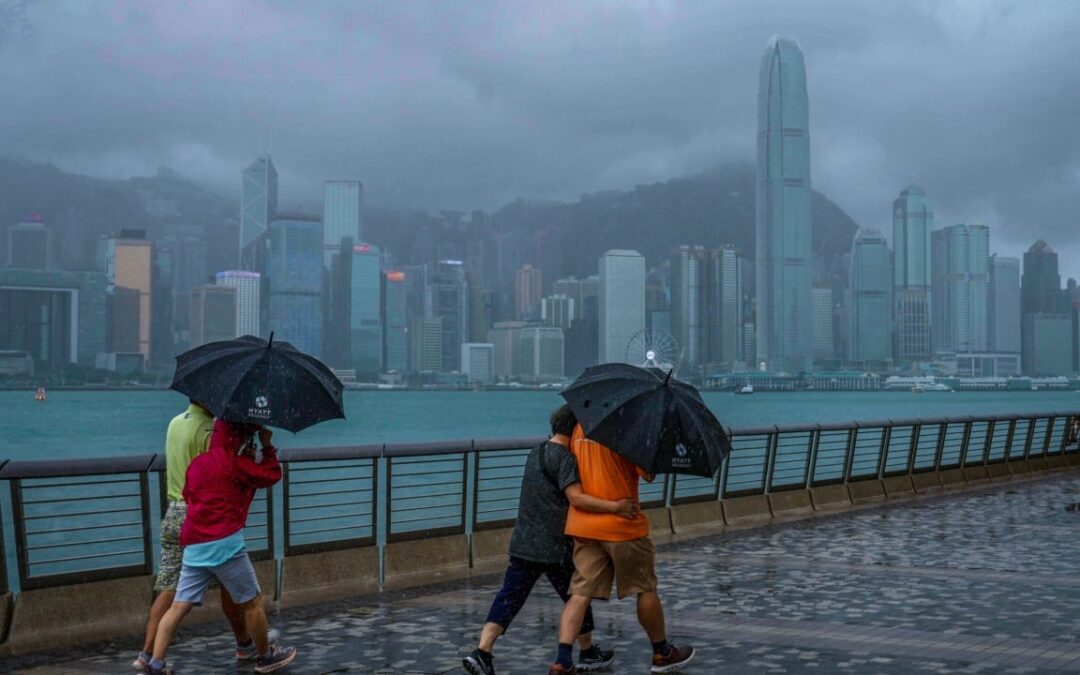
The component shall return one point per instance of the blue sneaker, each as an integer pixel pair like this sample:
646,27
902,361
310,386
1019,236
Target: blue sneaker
279,657
245,653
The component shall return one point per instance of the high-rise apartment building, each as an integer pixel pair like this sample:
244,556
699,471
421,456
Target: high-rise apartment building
29,244
343,208
871,310
212,314
128,263
913,223
963,256
528,284
426,345
1003,305
365,312
294,270
258,206
687,312
621,302
784,323
248,286
395,322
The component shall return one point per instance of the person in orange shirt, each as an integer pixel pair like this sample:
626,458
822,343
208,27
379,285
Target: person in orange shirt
610,548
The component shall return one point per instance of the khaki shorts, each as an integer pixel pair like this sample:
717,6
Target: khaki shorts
630,564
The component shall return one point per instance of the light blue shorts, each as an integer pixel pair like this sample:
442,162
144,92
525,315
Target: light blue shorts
236,575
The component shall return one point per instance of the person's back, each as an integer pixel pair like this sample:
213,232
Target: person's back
538,533
188,436
605,475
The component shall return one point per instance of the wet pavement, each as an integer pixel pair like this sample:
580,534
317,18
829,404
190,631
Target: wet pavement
981,581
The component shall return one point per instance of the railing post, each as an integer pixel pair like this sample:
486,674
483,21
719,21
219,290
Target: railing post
1029,439
19,518
1049,432
913,448
1009,436
475,459
965,440
811,457
939,451
286,534
883,451
770,462
144,504
849,454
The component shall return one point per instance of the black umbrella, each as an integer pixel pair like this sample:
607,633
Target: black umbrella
261,382
650,418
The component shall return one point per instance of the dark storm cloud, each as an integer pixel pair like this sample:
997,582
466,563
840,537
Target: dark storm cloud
466,105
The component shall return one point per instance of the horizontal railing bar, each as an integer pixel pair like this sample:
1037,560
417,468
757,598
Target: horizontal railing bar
80,498
309,507
79,514
314,481
51,468
330,453
98,526
293,521
293,495
83,484
88,556
328,529
64,544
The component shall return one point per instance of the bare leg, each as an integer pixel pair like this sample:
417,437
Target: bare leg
489,635
157,610
650,614
585,640
572,616
235,615
167,627
255,619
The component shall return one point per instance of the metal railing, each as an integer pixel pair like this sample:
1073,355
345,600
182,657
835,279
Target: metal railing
94,519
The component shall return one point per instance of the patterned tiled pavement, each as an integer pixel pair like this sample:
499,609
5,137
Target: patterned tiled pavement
971,582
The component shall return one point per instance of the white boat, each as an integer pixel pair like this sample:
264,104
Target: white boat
746,389
932,386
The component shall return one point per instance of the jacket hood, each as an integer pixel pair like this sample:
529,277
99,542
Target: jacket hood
231,436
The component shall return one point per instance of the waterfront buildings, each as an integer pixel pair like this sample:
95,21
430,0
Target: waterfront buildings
426,345
784,323
294,270
821,313
871,309
343,206
503,335
1048,344
722,293
622,302
1044,313
212,314
128,263
258,206
687,269
963,256
248,286
395,322
478,362
913,222
1003,305
447,298
557,311
572,288
528,284
365,312
539,354
29,244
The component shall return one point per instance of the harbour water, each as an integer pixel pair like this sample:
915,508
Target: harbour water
109,423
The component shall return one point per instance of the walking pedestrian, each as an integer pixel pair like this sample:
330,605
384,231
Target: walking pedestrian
221,484
188,437
539,547
611,549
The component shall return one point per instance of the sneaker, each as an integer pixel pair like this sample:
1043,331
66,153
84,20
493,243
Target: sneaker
676,658
475,664
559,669
164,670
248,652
279,657
141,662
596,658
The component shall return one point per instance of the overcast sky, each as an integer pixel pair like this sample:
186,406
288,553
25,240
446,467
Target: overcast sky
471,104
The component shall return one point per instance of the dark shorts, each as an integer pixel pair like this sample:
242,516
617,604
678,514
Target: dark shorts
518,583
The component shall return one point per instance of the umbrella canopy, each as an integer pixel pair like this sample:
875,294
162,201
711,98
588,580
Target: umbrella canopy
261,382
659,423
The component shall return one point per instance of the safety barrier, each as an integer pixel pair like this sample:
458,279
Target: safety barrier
358,518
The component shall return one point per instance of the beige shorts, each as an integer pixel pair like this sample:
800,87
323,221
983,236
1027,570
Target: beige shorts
630,564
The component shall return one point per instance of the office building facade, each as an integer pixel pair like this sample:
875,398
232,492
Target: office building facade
365,312
395,322
528,285
478,362
343,207
29,244
722,291
539,354
212,314
258,207
687,312
621,303
913,223
963,257
248,286
128,263
294,270
1003,305
871,307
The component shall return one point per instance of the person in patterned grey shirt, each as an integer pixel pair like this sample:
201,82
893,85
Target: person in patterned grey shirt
538,547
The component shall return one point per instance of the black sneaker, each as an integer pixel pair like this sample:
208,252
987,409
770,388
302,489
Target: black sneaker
595,658
279,657
476,664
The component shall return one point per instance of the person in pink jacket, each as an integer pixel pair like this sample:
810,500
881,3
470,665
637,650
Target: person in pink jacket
219,488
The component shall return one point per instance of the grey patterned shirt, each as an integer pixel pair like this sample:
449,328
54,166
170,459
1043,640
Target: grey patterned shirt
541,520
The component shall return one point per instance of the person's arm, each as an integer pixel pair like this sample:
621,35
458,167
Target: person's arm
578,499
265,473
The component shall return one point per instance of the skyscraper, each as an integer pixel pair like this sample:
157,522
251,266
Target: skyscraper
821,312
343,207
1044,315
478,362
622,302
723,313
687,315
528,282
258,206
447,298
212,314
784,326
395,322
248,286
872,283
571,287
128,263
557,311
967,280
1003,305
30,244
294,279
539,354
365,312
913,222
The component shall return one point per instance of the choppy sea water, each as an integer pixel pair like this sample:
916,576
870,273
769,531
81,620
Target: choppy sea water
109,423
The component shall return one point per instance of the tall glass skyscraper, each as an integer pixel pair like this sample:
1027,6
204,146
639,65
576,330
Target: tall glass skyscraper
913,221
1003,305
1044,313
784,326
965,287
871,301
365,311
447,298
622,303
248,286
723,316
294,269
687,271
395,322
343,208
258,205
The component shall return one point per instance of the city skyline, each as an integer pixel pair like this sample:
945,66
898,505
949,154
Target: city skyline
491,138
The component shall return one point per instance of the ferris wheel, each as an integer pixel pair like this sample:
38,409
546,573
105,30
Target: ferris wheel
653,348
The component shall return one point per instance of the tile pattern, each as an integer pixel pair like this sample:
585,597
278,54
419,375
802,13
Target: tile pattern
968,583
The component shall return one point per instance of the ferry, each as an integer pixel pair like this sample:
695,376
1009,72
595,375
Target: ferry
746,389
39,395
933,386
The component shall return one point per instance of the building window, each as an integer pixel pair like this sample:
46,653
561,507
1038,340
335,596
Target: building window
794,182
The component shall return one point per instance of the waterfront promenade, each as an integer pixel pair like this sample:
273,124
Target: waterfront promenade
982,580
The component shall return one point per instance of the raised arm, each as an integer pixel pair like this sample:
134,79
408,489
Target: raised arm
578,499
260,474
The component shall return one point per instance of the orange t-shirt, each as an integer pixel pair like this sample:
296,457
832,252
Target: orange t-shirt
606,475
